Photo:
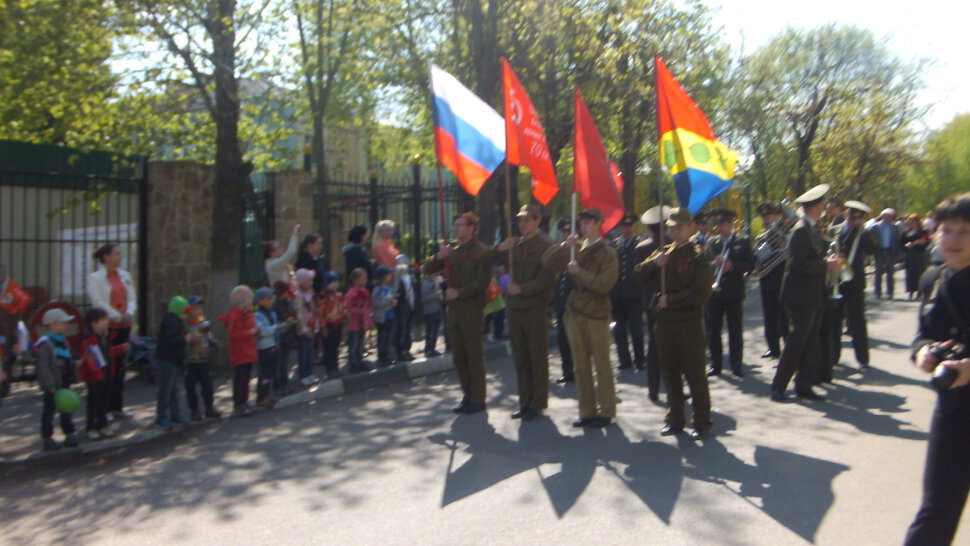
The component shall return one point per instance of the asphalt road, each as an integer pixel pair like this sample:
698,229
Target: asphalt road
394,466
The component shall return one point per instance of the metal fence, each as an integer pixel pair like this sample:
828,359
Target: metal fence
57,205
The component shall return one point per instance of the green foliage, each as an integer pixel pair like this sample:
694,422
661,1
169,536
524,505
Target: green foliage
945,167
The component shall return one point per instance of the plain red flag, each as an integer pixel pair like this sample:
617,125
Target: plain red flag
594,176
525,141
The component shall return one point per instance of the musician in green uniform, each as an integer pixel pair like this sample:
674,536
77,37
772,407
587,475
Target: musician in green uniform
679,309
527,300
467,275
594,272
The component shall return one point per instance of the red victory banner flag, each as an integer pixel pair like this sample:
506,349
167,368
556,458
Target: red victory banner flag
525,140
13,298
594,176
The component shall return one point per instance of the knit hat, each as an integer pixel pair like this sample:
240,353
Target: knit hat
239,294
380,272
263,293
331,276
303,275
177,305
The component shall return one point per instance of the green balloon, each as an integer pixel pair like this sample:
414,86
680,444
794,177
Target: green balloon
67,400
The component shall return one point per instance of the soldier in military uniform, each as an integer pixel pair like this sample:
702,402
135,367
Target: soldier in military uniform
734,259
527,299
468,276
703,235
855,246
803,292
594,272
627,297
560,295
679,308
771,244
651,288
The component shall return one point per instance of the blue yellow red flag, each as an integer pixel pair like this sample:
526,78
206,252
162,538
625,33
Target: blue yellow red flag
702,167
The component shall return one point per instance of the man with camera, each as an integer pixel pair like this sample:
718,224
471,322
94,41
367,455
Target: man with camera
941,348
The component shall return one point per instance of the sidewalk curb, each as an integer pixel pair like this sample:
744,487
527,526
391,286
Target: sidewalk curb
349,384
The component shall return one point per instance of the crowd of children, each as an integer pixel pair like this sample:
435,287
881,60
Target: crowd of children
261,328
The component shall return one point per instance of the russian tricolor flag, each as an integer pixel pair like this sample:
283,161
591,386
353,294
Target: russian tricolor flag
469,134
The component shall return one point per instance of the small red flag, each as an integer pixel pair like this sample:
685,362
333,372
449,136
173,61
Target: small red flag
14,298
595,177
525,140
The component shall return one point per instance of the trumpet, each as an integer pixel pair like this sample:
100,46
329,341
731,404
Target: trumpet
772,245
720,268
843,274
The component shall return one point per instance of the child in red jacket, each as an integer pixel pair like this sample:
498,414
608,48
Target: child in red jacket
241,332
97,369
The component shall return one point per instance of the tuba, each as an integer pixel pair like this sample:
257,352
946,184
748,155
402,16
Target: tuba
771,249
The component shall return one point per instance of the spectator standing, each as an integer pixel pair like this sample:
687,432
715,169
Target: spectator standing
96,371
311,257
110,287
431,298
266,346
888,250
915,239
279,263
307,326
198,358
331,313
383,249
241,332
355,255
285,311
382,304
170,361
405,308
359,319
55,370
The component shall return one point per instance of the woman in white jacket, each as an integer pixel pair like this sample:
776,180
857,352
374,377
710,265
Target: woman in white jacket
111,288
279,264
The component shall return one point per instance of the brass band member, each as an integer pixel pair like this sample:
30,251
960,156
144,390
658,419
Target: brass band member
771,255
652,218
803,292
855,246
627,298
733,259
679,311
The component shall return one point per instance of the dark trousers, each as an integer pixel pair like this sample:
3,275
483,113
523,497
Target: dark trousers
355,350
402,332
682,356
717,309
528,334
653,359
854,309
830,338
801,352
946,479
269,359
384,340
432,325
47,414
331,347
283,370
116,400
776,319
628,315
884,266
198,375
565,352
167,399
240,384
97,404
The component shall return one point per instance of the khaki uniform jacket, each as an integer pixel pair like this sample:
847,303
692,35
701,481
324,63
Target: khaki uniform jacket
689,279
469,271
535,280
599,272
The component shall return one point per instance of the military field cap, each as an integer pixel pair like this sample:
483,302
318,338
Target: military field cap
702,217
813,194
723,215
529,211
653,216
628,219
56,315
679,216
768,208
593,213
565,224
857,209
